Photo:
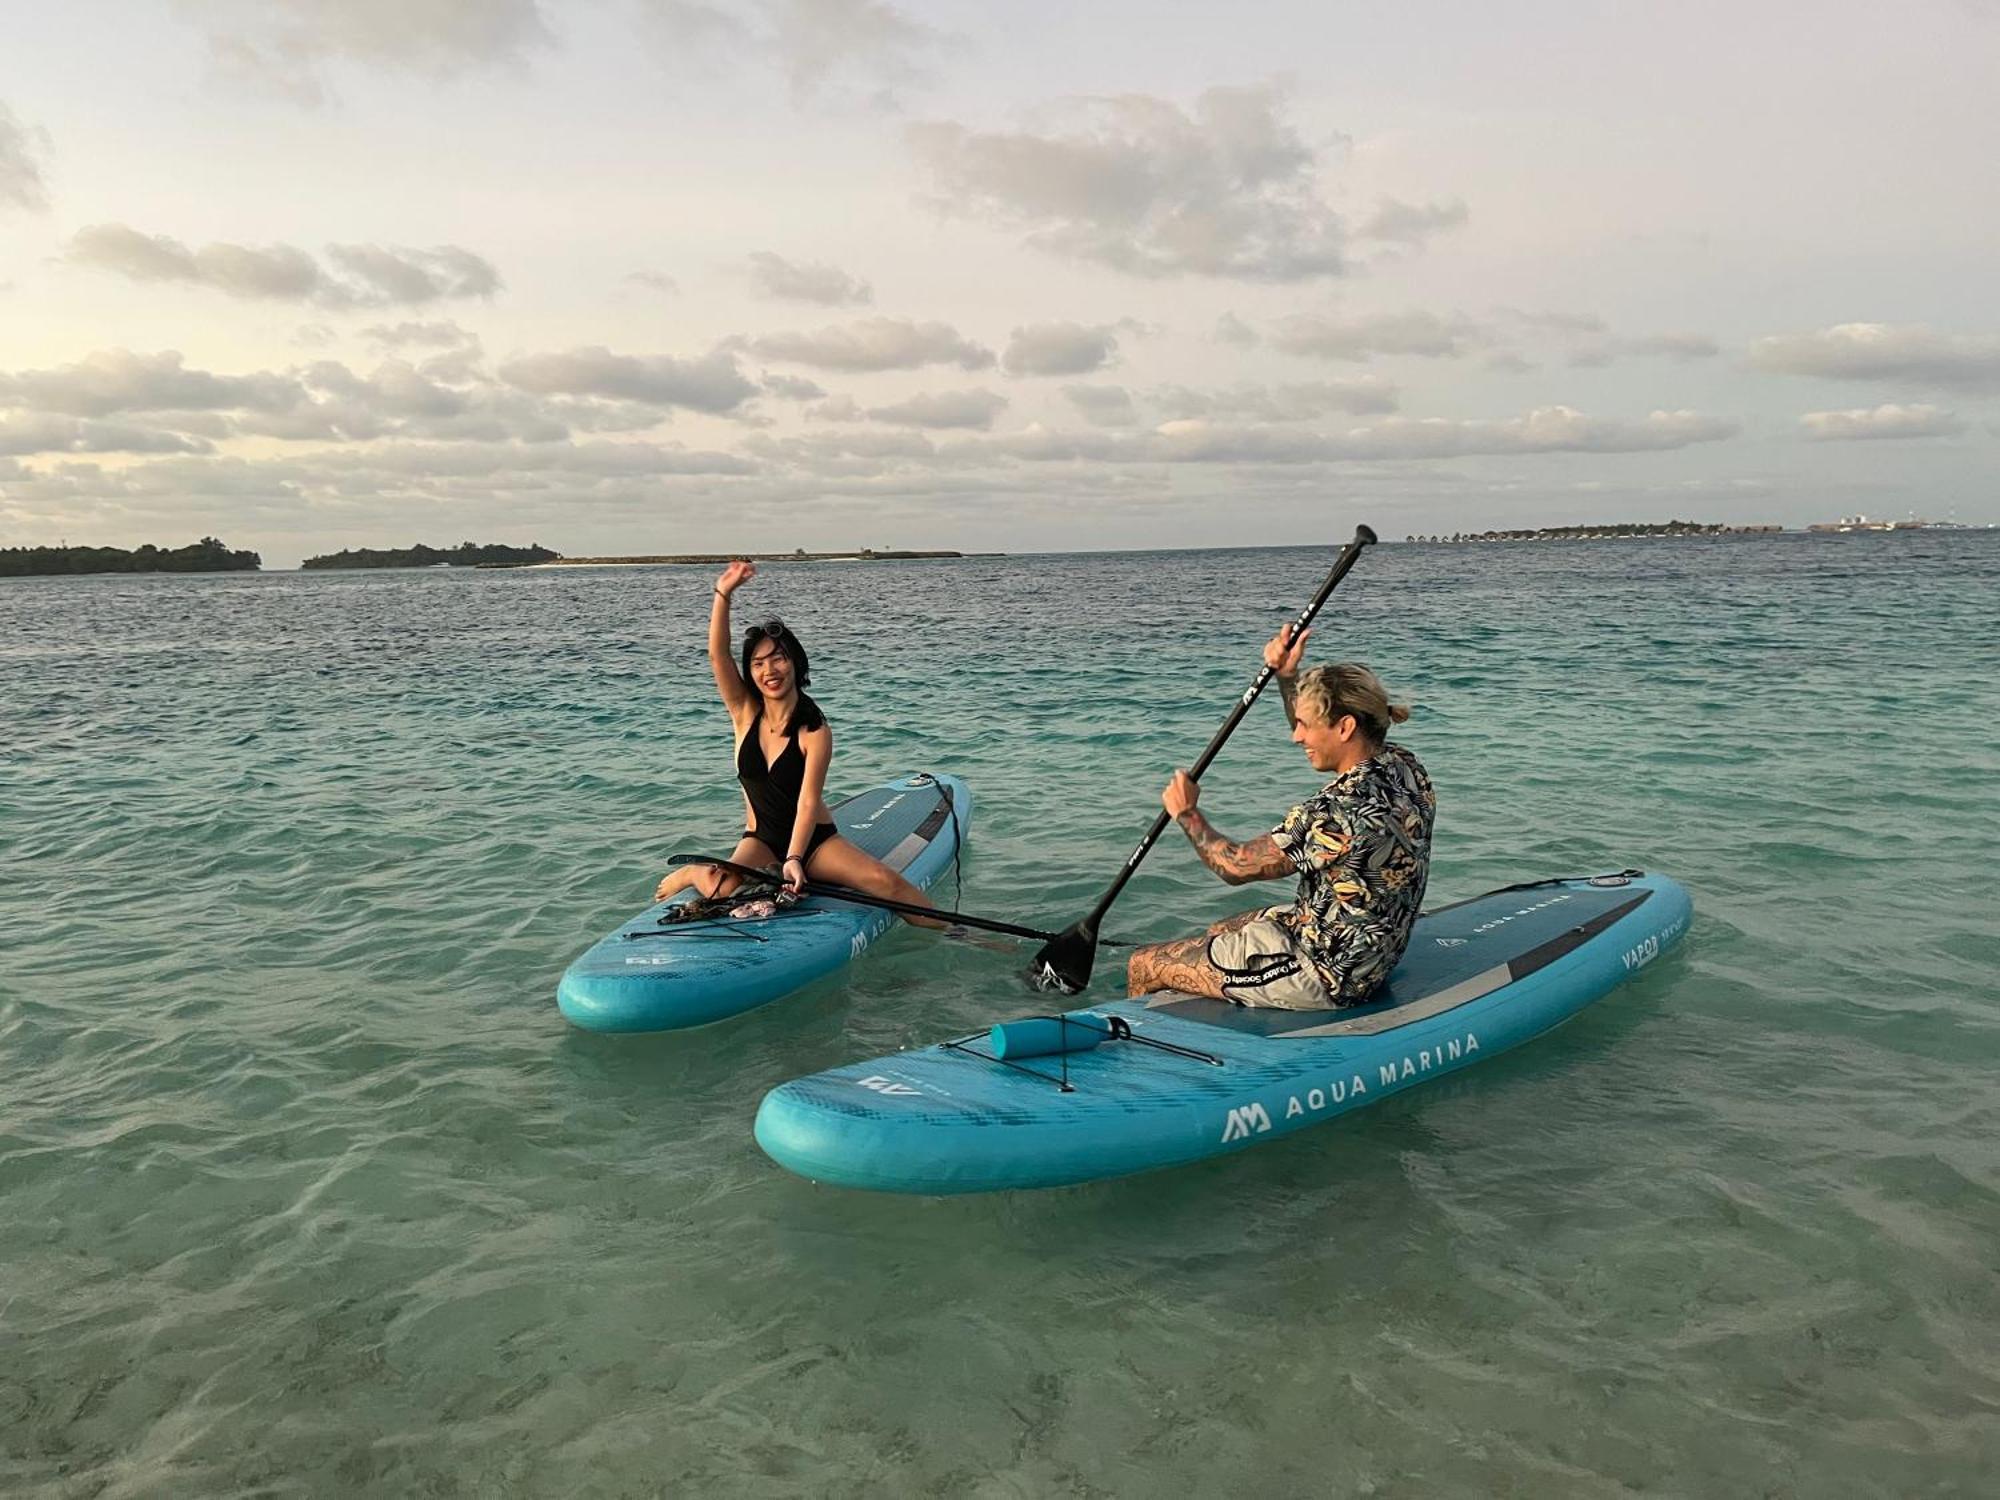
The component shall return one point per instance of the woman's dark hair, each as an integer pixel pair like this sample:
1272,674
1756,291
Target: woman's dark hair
807,714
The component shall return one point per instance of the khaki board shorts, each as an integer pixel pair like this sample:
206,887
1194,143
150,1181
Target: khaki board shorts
1261,966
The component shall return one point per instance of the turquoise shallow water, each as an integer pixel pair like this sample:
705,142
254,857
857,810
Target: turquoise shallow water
305,1189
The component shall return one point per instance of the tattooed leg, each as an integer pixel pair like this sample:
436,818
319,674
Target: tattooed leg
1182,964
1230,924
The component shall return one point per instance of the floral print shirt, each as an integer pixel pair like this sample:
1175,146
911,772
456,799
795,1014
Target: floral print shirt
1363,851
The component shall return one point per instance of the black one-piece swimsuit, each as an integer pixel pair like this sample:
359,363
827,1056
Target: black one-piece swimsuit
773,787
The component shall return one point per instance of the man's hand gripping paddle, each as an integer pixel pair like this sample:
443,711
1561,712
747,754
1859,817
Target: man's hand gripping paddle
1065,962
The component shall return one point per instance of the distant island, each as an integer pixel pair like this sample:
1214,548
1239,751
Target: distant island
464,555
1604,532
1861,523
865,554
205,556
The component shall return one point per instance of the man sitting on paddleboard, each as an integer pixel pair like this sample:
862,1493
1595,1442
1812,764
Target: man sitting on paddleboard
1361,848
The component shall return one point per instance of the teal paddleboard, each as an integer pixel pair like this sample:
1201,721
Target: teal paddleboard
651,975
1169,1079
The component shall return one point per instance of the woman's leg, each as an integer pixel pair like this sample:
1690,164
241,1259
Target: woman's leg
710,881
837,862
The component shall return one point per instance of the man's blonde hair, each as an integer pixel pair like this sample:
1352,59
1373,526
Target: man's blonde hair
1328,693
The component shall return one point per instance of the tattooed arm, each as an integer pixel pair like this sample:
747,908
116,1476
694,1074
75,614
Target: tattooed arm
1258,859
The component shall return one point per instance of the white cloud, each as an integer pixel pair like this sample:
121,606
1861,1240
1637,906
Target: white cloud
1302,402
1565,323
1103,405
506,462
793,387
1548,429
1042,445
711,384
837,409
1599,351
406,278
118,380
875,344
1585,340
818,45
443,334
447,398
1673,345
398,400
375,277
1230,329
821,40
280,45
22,185
1883,351
460,366
1419,333
1411,223
1887,421
657,281
382,489
1059,349
791,281
280,271
27,433
969,408
1140,185
1556,429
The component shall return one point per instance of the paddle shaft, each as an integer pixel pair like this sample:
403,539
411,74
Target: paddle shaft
866,898
1349,555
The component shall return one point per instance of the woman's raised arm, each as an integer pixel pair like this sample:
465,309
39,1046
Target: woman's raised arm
728,680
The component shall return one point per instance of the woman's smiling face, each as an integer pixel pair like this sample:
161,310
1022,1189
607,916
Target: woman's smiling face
771,669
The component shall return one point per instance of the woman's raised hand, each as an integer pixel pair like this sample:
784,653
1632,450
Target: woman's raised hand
1283,652
735,576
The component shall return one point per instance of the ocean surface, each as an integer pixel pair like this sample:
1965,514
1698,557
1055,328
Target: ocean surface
305,1188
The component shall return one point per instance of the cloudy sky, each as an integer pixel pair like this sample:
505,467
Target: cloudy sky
680,275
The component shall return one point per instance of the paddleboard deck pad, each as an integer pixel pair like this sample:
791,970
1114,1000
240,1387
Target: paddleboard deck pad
1189,1078
660,975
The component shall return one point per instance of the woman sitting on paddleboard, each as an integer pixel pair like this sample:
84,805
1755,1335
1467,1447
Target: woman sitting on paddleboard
783,747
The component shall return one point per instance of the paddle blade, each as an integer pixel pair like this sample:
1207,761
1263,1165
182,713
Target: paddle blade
1065,960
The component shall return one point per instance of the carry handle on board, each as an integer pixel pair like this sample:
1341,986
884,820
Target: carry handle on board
1066,961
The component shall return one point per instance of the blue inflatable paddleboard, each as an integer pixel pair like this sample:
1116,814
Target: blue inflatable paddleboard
651,975
1168,1079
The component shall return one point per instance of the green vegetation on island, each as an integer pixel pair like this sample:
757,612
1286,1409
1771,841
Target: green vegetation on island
205,556
464,555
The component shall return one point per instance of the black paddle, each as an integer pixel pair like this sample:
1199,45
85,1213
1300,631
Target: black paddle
865,898
1065,962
